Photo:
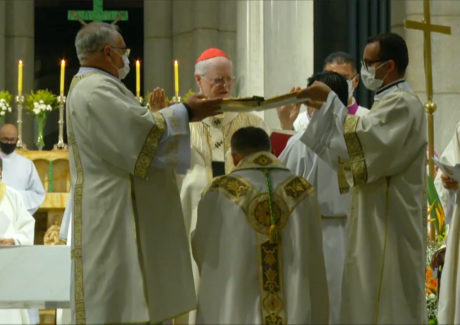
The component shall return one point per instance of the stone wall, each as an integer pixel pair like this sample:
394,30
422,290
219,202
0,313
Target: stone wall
445,48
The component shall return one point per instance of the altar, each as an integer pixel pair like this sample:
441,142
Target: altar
35,277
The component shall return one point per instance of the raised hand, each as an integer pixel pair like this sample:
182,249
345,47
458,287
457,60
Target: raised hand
6,242
202,107
157,100
287,114
315,95
448,182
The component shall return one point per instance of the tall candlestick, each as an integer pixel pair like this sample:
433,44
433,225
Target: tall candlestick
176,77
138,78
20,71
61,85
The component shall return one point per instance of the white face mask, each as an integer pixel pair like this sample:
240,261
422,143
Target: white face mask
368,77
123,71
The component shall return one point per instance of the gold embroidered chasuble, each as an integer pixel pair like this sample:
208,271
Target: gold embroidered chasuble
382,157
245,278
129,248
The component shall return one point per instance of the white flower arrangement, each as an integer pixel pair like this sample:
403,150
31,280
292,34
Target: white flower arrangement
41,107
5,100
41,102
5,107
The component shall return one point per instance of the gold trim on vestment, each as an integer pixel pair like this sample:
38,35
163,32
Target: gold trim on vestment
2,190
272,302
144,160
77,252
355,151
344,187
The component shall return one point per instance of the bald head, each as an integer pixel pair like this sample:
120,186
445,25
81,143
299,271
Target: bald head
8,138
9,132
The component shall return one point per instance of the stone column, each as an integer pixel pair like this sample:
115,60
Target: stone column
250,49
275,46
181,30
19,44
446,84
158,69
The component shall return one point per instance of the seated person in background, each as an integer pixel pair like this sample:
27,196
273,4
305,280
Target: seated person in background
258,243
333,205
18,171
16,228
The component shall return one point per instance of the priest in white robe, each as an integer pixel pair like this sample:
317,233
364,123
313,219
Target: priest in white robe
18,171
258,243
130,256
382,156
333,205
449,294
16,228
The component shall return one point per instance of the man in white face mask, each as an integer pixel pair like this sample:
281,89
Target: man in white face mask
382,156
131,261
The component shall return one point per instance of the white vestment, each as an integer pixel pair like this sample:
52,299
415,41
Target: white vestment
449,295
130,258
382,155
20,173
334,208
17,223
210,140
246,279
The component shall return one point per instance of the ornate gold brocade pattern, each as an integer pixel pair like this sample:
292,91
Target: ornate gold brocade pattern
273,303
258,214
234,187
150,146
355,151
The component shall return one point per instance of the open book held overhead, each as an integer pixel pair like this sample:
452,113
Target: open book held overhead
257,103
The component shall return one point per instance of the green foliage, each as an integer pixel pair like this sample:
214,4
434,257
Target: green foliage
40,102
5,94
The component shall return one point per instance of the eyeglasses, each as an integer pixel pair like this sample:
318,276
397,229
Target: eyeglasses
221,81
125,50
368,63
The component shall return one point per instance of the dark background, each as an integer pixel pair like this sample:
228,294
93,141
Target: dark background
54,40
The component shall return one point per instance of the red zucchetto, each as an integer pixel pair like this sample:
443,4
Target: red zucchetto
212,53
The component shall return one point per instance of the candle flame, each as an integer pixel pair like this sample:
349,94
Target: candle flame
20,62
176,62
138,62
63,62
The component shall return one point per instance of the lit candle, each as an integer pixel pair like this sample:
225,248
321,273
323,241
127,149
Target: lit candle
138,78
61,85
176,77
20,70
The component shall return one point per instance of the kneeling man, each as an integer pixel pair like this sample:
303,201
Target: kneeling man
258,242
